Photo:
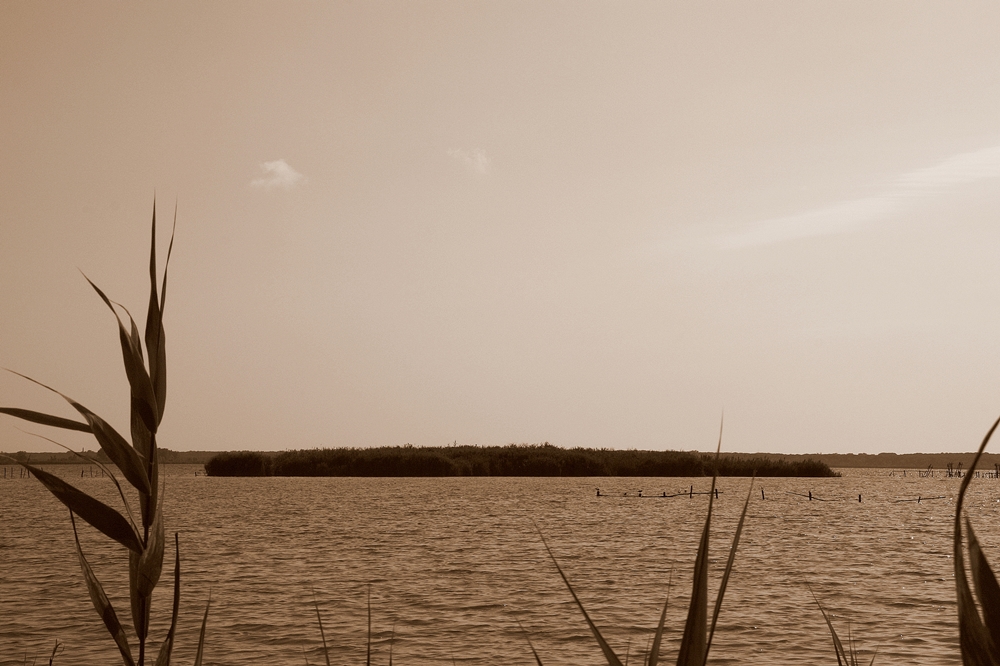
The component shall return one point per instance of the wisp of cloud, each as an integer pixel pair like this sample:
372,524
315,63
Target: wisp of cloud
277,174
475,160
855,214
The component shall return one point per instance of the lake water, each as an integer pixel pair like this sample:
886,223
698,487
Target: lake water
453,564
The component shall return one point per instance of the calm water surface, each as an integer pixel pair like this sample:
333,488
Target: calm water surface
454,563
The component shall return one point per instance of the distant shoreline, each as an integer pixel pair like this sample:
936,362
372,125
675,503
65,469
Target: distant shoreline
938,461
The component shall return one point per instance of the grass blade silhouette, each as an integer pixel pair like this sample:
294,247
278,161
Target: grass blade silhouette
729,569
538,660
89,461
694,645
985,583
101,516
101,602
46,419
155,336
838,647
137,462
201,635
322,634
654,650
845,656
114,445
163,659
609,654
141,387
978,649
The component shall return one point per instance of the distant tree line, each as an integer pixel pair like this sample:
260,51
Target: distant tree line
511,460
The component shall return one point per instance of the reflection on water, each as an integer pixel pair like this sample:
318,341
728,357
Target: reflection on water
452,562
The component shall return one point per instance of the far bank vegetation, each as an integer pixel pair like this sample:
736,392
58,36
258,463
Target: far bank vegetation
511,460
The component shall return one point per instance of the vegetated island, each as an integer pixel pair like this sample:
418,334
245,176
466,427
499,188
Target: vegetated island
511,460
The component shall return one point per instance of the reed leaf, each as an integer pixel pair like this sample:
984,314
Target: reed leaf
143,439
155,337
120,452
609,654
985,582
538,660
144,573
143,399
101,602
101,516
46,419
138,603
694,645
104,468
114,445
654,650
163,659
838,647
201,635
150,562
729,569
978,649
322,634
845,656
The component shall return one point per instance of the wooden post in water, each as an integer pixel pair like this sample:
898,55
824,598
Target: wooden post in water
691,492
810,495
859,499
716,493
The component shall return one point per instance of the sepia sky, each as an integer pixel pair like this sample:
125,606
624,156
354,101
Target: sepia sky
592,224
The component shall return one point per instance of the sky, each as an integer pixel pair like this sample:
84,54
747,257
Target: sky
589,224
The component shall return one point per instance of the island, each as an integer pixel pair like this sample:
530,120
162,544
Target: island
510,460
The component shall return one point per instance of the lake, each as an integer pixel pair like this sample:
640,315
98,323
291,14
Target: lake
454,563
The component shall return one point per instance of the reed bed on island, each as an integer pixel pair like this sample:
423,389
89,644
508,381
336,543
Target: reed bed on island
141,531
511,460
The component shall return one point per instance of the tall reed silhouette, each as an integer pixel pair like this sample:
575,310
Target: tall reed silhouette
698,634
137,462
978,628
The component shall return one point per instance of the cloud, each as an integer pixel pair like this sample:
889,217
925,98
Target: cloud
475,160
277,174
855,214
957,170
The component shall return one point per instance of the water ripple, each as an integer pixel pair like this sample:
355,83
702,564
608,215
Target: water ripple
455,563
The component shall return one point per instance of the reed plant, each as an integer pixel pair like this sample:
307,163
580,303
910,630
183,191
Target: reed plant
140,532
698,634
845,656
978,627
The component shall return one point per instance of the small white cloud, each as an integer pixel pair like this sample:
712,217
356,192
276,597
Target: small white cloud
277,174
476,160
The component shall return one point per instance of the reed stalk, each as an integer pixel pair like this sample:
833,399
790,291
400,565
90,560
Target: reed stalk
137,462
978,627
697,639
